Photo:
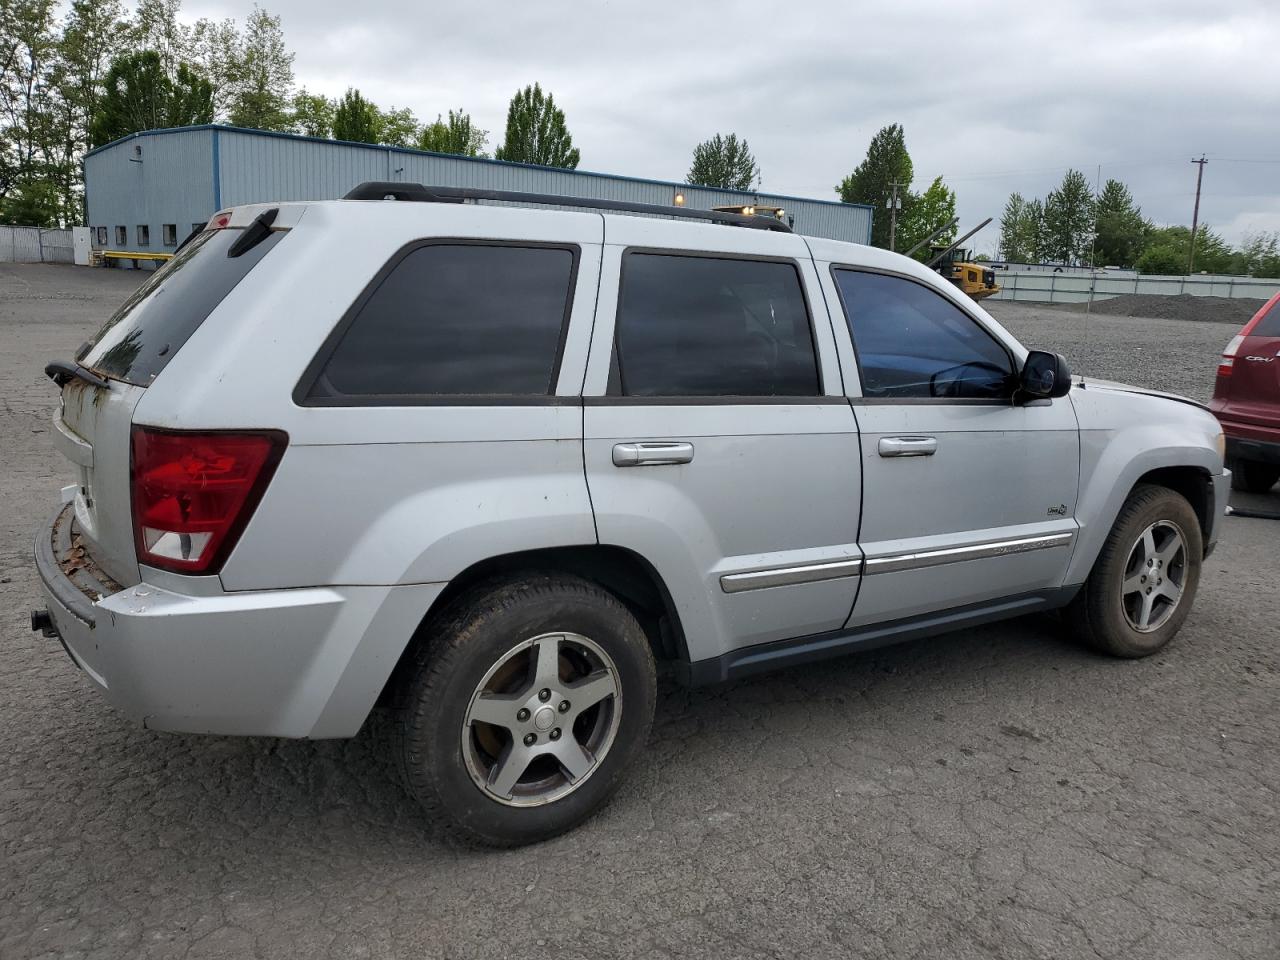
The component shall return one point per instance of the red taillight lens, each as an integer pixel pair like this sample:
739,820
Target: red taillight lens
1228,361
193,493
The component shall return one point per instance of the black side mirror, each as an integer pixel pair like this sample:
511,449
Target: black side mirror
1044,376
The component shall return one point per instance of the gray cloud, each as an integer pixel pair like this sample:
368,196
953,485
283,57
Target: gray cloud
995,97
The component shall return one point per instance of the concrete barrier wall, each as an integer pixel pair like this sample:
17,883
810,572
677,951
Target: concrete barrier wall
35,245
1051,287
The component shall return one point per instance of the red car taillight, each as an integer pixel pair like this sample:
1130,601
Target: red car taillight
1228,361
193,493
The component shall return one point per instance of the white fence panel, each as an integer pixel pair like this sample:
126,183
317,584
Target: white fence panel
1051,286
35,245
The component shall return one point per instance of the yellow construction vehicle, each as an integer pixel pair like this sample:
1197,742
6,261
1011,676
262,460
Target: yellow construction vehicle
957,264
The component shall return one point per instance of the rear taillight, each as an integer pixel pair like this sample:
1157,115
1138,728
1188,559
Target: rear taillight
1228,361
193,493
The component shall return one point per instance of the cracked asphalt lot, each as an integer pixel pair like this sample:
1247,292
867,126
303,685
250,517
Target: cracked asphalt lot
991,793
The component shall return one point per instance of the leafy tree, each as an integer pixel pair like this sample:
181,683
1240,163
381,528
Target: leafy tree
1259,257
536,131
724,162
138,95
1069,219
887,162
1037,235
928,212
1213,254
458,136
1122,230
216,47
1014,244
312,114
27,62
156,27
356,119
262,77
1162,259
32,203
399,128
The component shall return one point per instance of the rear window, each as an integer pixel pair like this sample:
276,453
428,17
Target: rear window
454,319
153,324
1269,324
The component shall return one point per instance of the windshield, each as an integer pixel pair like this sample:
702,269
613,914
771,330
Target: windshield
159,317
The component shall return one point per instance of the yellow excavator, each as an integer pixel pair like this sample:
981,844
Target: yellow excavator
956,263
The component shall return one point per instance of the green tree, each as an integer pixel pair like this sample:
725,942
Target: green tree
928,212
312,114
32,203
1162,259
1259,257
262,78
156,27
458,135
138,95
216,47
399,128
1013,230
1069,219
1122,229
724,162
536,131
356,119
28,54
887,162
1213,254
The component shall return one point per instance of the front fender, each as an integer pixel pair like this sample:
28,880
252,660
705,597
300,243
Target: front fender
1123,437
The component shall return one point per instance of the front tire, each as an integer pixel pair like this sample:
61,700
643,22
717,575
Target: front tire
1144,581
525,707
1250,476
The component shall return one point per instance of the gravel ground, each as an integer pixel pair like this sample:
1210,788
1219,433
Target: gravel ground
991,793
1233,310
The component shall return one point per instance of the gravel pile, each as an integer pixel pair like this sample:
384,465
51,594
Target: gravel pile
1181,307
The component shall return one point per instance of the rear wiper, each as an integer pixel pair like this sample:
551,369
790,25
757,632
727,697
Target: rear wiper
254,234
60,371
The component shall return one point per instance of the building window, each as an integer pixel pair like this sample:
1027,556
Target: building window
197,227
169,233
100,235
122,236
144,235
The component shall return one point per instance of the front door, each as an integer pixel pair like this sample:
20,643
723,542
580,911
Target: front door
969,498
718,442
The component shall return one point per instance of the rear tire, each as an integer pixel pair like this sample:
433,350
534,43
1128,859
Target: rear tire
1250,476
525,707
1144,581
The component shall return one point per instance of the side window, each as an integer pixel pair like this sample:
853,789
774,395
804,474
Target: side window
144,235
694,326
122,236
913,342
170,234
456,319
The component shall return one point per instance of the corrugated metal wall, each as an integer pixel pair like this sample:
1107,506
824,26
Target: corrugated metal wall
150,179
176,183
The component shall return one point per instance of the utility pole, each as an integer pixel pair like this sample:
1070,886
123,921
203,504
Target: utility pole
894,205
1195,215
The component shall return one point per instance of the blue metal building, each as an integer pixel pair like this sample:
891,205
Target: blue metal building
147,191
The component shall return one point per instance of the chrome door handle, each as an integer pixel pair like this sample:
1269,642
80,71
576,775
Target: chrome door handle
908,446
651,453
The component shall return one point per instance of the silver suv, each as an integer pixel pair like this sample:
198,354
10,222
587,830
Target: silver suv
484,465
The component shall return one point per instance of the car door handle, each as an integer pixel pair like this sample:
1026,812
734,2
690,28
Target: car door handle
908,446
651,453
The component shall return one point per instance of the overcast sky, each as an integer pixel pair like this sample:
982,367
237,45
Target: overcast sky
994,96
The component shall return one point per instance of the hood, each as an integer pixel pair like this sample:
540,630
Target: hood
1091,383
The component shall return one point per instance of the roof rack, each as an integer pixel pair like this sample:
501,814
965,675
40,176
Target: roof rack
416,192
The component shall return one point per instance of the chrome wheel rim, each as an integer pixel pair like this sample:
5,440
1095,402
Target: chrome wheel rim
1154,576
542,720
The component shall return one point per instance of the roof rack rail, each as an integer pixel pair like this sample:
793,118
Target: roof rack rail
416,192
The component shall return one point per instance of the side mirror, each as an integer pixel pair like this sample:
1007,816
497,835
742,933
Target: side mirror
1044,375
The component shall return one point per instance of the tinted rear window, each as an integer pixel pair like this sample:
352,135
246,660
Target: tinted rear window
1269,325
159,317
456,319
705,327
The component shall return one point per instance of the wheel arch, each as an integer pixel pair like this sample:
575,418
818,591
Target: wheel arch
622,572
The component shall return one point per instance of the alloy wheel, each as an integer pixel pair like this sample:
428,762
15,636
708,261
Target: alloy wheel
1154,576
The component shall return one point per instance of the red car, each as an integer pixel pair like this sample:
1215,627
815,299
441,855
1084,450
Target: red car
1246,401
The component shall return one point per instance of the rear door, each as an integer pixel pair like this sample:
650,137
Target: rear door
718,442
92,427
1253,389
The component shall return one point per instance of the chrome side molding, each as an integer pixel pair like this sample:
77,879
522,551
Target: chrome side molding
978,551
787,576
